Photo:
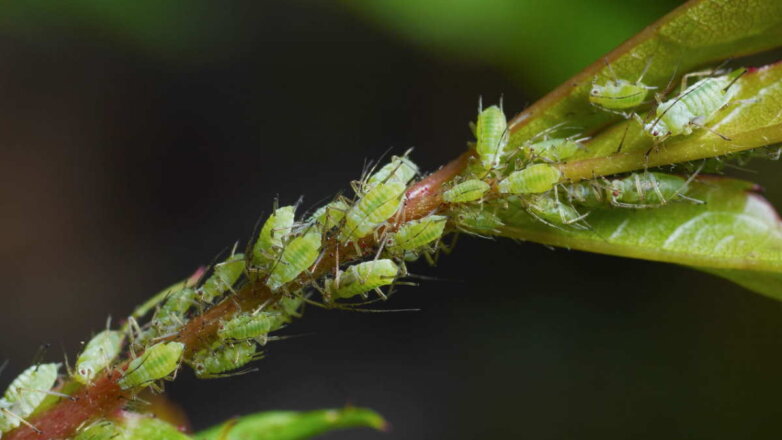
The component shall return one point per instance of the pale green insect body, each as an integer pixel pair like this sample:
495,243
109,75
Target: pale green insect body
618,94
478,219
533,179
551,150
416,234
248,326
372,210
25,394
157,362
102,430
694,107
550,209
173,310
275,230
467,191
98,354
398,170
330,216
214,362
362,278
299,254
638,190
491,133
224,276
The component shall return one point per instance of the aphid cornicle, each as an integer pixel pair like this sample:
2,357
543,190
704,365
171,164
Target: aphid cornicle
361,278
25,393
467,191
398,169
274,231
214,362
331,215
223,277
298,255
491,133
417,234
98,354
534,179
248,326
372,210
157,362
694,107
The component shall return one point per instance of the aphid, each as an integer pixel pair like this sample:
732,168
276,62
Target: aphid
223,277
299,254
102,430
248,326
694,107
213,362
478,219
467,191
98,354
417,234
398,170
551,150
286,308
548,208
534,179
276,229
174,309
491,133
157,362
372,210
331,215
619,94
361,278
25,393
638,190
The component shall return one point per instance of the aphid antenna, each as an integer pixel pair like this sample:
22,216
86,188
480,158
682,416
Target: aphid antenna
235,373
164,337
50,393
480,104
738,76
40,353
624,135
700,123
610,70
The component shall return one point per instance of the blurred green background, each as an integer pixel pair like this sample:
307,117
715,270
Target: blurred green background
140,139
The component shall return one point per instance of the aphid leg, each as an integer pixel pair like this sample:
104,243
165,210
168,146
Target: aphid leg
700,123
21,419
622,141
699,74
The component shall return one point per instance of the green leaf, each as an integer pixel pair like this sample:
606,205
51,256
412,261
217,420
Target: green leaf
699,32
292,425
735,230
752,120
148,428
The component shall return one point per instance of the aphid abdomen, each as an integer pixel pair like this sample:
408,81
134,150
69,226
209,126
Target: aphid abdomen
212,362
534,179
588,194
467,191
98,354
649,188
274,231
551,150
331,215
363,277
417,233
247,326
102,430
372,210
547,207
298,255
157,362
618,95
492,136
25,393
478,219
398,170
224,276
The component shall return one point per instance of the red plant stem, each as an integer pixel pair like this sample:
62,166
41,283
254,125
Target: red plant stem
104,396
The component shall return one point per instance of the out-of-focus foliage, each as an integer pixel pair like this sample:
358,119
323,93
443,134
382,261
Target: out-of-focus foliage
539,42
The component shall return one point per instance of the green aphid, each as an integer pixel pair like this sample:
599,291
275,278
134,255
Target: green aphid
618,94
398,170
102,430
157,362
273,234
638,190
362,278
467,191
248,326
693,108
298,255
478,219
416,234
173,310
25,394
551,150
550,209
534,179
372,210
223,277
491,133
330,216
285,309
217,361
98,354
141,427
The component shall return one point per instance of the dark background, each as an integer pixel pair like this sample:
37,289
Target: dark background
136,143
